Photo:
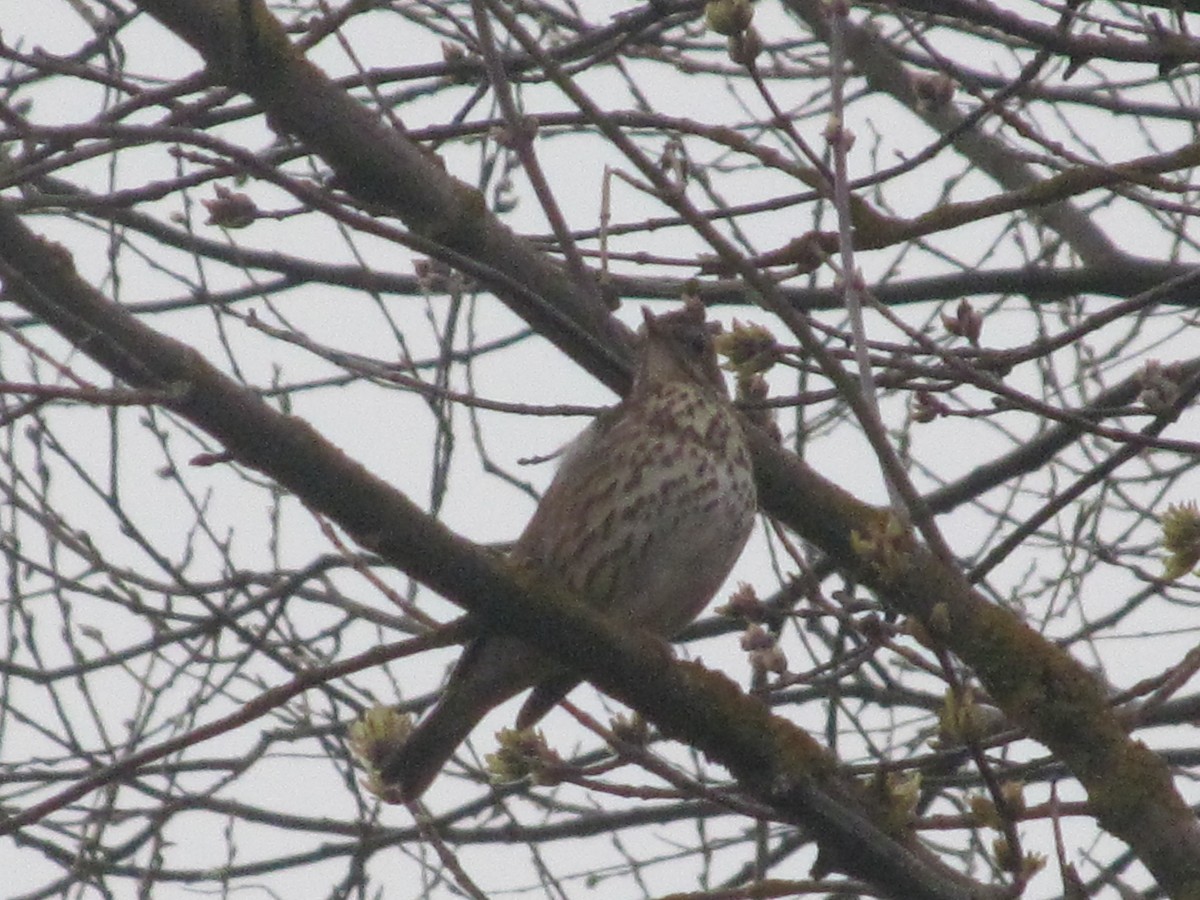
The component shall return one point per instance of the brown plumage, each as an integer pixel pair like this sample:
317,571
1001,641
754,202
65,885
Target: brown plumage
648,512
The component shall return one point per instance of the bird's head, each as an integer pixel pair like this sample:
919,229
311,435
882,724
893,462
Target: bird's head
679,345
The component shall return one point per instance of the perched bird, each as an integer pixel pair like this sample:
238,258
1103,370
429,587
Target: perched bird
648,512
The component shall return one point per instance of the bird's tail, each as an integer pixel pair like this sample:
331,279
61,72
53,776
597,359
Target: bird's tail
491,671
431,744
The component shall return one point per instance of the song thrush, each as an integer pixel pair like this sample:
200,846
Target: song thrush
648,512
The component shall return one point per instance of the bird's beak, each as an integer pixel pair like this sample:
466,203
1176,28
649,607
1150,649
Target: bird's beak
649,320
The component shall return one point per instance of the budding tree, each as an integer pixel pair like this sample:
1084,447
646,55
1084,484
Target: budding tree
301,299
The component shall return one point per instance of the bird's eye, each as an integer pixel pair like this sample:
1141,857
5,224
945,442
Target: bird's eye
696,342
